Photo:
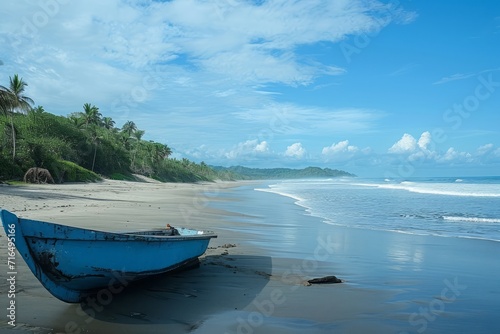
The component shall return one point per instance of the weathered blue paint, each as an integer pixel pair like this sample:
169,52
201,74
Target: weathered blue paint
72,262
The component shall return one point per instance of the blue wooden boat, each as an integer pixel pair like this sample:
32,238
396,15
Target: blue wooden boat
73,263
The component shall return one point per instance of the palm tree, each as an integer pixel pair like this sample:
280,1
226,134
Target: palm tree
159,152
12,100
91,114
38,110
5,103
95,139
108,123
20,102
129,128
167,151
36,119
77,119
91,118
138,134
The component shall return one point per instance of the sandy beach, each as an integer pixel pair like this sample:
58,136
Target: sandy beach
178,303
236,287
251,280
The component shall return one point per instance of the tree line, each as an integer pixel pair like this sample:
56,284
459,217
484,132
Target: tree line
283,173
83,145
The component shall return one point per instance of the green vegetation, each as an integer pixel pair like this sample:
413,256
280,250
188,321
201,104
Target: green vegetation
83,146
70,172
282,173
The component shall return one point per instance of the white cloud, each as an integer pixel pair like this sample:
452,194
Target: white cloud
340,147
425,140
87,45
295,150
248,148
406,144
201,152
484,149
453,155
262,147
342,151
419,151
462,76
280,118
453,77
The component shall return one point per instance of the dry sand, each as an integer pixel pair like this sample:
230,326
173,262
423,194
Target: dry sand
235,290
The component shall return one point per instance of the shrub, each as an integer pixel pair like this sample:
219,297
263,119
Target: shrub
67,171
121,177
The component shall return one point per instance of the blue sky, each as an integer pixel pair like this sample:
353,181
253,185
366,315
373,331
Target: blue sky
378,88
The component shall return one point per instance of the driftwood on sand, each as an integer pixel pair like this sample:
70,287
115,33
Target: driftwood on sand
38,175
323,280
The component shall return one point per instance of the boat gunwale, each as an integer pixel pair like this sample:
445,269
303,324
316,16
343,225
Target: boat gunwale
60,232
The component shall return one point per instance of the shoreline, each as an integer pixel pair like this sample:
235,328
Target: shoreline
257,286
236,289
452,279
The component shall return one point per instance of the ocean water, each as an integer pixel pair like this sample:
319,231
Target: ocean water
467,207
407,243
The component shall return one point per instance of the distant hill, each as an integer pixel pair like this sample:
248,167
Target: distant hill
281,173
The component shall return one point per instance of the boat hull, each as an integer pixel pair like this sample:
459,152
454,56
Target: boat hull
73,263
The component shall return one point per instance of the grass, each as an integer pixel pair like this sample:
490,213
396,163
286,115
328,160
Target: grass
67,171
